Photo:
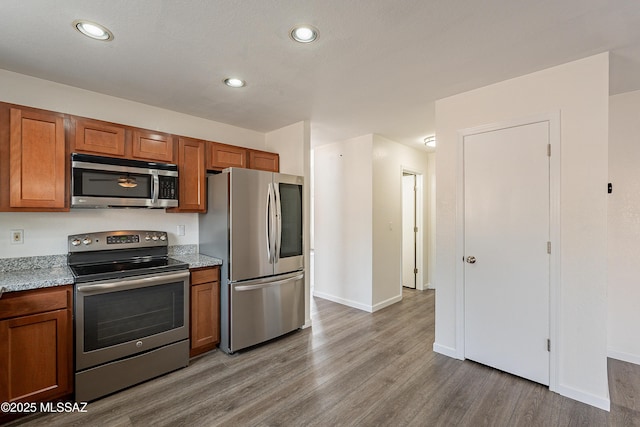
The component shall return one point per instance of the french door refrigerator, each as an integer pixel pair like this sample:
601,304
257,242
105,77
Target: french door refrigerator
254,224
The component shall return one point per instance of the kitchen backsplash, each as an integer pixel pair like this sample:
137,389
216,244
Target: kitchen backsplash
46,233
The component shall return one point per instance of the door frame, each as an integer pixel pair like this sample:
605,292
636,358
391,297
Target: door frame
553,118
420,285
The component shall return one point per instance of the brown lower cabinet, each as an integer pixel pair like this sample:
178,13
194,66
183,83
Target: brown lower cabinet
204,327
36,344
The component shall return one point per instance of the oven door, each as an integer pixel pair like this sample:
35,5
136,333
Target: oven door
123,317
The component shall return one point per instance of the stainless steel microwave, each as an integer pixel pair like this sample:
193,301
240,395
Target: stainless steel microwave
104,182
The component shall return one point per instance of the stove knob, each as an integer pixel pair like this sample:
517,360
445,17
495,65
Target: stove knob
163,237
86,241
155,238
75,242
147,238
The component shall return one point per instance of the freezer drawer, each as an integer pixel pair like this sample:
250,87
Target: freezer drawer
266,308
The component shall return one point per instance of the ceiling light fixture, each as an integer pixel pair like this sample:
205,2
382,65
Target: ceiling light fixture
234,82
430,141
304,33
93,30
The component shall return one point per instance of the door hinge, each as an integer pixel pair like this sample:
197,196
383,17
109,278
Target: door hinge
548,150
415,271
548,344
415,229
548,247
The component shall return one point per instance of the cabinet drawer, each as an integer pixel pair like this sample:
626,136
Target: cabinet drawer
24,303
204,275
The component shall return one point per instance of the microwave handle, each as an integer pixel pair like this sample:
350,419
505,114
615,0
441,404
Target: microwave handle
156,187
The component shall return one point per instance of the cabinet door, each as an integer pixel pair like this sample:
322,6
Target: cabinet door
205,310
96,137
263,160
192,176
35,355
221,156
149,145
37,160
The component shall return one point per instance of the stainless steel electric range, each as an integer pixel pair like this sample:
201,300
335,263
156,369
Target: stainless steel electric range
131,310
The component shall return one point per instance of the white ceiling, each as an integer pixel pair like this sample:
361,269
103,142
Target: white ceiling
377,67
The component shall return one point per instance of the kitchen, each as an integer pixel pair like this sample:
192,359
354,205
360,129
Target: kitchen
158,219
44,234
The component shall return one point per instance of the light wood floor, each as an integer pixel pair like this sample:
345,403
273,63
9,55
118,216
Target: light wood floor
351,368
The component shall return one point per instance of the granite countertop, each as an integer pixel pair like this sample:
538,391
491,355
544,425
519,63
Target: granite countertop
22,280
197,260
21,274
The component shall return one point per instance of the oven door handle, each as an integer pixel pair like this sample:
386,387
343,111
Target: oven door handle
120,285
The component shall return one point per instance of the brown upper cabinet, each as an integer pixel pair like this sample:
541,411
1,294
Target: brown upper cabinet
35,146
36,161
96,137
263,160
192,173
221,156
148,145
114,140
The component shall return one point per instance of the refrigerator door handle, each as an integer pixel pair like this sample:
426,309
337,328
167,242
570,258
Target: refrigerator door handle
278,236
268,233
250,287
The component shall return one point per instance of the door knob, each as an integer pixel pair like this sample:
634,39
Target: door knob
471,259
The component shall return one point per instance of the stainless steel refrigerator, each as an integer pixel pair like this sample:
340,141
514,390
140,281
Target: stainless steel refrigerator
254,224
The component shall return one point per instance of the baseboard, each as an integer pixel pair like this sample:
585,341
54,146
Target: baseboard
387,303
307,324
625,357
584,397
430,286
447,351
348,303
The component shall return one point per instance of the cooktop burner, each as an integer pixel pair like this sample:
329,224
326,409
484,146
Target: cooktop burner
120,254
117,269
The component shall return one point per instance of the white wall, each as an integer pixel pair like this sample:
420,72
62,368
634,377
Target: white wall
46,233
293,142
624,228
389,160
579,90
358,219
343,222
430,195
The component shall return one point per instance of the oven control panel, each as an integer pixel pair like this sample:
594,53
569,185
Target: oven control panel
109,240
124,239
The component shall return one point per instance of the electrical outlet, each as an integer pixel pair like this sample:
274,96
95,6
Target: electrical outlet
17,237
180,230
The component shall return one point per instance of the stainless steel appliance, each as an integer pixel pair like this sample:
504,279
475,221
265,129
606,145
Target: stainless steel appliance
254,224
100,182
131,310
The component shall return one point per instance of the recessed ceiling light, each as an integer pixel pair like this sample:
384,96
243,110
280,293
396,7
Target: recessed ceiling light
304,33
233,82
430,141
93,30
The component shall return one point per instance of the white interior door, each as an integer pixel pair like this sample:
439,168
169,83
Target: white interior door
408,231
506,230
